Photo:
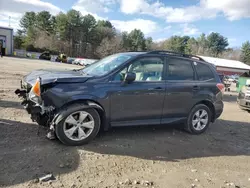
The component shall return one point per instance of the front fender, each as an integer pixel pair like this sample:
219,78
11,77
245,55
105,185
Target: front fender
61,114
82,97
81,105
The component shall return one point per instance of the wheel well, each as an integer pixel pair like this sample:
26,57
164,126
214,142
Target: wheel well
98,107
210,106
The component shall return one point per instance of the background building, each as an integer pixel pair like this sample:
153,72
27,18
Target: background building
228,67
6,39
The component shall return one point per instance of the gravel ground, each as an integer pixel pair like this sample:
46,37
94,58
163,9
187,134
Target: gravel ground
154,156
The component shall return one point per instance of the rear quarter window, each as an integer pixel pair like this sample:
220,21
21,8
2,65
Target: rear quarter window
204,72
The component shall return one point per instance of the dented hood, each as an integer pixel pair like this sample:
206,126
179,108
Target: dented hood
60,76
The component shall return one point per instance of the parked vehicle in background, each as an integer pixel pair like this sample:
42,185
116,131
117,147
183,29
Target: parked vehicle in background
70,60
76,61
125,89
87,62
83,61
236,79
45,56
233,78
243,98
230,79
224,80
61,58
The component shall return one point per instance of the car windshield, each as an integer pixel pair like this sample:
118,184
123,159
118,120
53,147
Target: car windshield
106,65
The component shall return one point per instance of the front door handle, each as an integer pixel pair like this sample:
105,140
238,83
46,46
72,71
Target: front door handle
196,88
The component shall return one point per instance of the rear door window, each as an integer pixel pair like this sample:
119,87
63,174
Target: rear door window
180,69
204,72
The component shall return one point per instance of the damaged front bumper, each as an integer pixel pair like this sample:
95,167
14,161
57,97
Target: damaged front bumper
38,112
33,109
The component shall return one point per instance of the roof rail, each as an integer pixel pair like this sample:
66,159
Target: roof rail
175,54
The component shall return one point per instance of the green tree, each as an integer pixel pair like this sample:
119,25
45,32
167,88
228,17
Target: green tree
136,40
245,52
149,43
103,29
30,36
202,45
177,44
18,41
104,23
45,22
216,43
28,21
61,26
28,28
74,31
88,32
125,40
191,46
78,35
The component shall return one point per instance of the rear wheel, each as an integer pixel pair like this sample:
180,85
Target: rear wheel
198,120
78,125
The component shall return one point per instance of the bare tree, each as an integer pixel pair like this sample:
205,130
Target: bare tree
51,42
110,46
231,53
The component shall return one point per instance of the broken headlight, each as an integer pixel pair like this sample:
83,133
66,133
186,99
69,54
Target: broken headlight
35,92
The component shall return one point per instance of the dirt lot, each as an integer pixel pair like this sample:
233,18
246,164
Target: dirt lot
164,156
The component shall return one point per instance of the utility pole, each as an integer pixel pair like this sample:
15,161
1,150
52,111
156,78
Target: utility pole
9,20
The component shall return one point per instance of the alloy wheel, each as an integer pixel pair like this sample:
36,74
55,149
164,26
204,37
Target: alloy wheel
78,125
200,120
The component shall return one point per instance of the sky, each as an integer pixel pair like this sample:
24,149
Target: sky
159,19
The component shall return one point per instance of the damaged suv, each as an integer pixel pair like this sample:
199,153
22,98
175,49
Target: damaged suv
132,88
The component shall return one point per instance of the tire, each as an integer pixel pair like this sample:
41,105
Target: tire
62,126
193,129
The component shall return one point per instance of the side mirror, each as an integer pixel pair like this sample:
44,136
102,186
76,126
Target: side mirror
130,77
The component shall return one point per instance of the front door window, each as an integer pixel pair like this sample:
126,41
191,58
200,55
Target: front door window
147,69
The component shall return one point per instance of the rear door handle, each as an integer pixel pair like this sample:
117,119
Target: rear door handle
156,88
196,88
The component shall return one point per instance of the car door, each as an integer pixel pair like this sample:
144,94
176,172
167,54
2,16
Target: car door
181,89
140,102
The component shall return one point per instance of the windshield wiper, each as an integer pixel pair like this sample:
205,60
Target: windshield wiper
84,73
76,70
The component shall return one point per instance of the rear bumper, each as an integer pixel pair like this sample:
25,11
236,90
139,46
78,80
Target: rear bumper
218,109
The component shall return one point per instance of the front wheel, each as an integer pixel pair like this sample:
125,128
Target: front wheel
198,120
78,125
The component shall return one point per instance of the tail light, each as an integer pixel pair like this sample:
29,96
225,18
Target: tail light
221,87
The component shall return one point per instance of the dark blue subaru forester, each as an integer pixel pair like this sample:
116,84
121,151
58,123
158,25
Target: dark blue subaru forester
125,89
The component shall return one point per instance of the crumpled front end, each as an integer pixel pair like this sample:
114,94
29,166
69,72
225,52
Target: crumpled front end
33,103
